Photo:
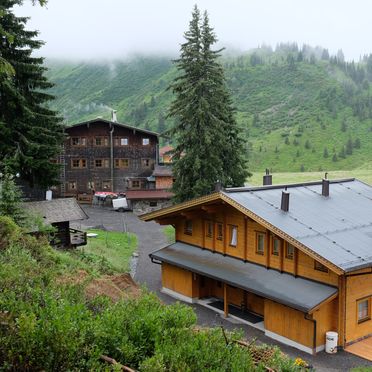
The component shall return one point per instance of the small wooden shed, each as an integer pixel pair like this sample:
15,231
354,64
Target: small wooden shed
59,213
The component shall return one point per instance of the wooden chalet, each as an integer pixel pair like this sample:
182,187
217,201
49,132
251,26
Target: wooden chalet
295,262
59,213
103,155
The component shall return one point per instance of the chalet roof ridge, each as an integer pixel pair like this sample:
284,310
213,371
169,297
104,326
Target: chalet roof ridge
114,123
286,185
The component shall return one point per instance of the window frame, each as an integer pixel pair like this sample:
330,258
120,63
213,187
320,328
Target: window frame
69,183
82,141
208,229
145,141
258,235
276,239
81,161
219,233
287,255
105,163
146,162
134,186
368,316
118,163
187,227
108,183
233,242
104,141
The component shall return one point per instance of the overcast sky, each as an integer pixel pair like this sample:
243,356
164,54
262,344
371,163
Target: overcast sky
87,29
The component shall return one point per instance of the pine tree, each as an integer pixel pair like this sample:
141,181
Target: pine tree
325,153
206,132
10,198
31,134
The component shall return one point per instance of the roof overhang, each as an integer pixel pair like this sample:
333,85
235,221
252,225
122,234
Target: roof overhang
298,293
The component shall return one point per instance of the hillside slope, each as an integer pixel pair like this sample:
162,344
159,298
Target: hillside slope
297,112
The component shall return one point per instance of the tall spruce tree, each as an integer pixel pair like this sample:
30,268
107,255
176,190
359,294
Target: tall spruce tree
31,134
208,146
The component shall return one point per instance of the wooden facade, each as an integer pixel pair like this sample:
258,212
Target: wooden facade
215,225
102,155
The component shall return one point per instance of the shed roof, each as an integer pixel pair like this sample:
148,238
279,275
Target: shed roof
57,210
337,228
162,171
298,293
97,120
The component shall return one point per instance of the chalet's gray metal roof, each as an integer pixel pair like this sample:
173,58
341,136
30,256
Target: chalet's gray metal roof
96,120
298,293
338,227
56,210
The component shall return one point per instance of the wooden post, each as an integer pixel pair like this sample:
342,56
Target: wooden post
245,238
267,248
341,310
225,301
295,253
224,233
282,255
203,232
214,237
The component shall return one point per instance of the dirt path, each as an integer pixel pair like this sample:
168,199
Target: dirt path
150,238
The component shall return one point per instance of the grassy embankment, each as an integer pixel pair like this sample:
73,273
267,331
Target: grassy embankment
48,321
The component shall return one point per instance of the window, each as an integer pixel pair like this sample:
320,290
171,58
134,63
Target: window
106,185
187,229
318,266
101,141
145,141
121,163
276,246
233,235
78,163
101,163
78,141
219,231
136,184
364,309
209,229
72,185
121,141
260,243
90,185
145,162
289,252
153,204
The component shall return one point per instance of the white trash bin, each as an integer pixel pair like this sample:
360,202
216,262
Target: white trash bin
331,342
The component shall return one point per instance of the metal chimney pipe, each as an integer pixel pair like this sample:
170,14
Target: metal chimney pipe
267,178
325,187
114,117
285,201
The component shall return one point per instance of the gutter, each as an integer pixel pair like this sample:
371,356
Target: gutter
112,158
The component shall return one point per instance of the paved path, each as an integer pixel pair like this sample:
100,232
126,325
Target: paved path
150,238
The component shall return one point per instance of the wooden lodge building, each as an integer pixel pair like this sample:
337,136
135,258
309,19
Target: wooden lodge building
294,262
103,155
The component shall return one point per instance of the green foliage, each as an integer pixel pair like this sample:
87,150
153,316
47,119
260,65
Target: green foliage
31,134
49,324
205,133
10,198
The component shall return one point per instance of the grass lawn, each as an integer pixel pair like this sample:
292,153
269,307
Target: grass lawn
169,233
364,175
115,247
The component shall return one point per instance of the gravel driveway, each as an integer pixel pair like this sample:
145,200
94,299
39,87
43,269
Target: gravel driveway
150,238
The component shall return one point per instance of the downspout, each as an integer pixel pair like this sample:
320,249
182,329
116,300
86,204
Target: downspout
314,334
112,158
